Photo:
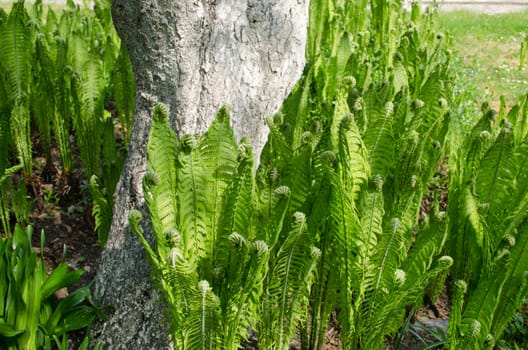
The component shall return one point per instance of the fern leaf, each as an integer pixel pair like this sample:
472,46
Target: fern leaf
371,214
43,104
353,155
20,132
345,228
200,332
102,209
516,285
124,90
288,282
297,176
483,302
494,178
235,221
457,302
61,120
89,122
15,54
192,199
162,160
240,198
378,137
218,151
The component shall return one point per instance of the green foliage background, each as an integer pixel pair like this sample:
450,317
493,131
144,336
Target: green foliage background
59,73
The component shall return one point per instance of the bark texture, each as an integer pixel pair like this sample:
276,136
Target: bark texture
194,56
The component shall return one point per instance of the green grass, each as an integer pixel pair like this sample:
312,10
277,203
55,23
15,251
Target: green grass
489,49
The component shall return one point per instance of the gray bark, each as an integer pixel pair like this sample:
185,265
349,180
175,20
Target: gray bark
194,56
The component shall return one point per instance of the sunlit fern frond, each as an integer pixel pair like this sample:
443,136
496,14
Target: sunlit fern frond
380,279
239,199
192,198
494,179
218,150
379,138
201,326
162,153
287,288
297,178
295,110
457,306
482,303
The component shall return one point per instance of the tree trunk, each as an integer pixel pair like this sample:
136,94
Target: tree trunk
194,56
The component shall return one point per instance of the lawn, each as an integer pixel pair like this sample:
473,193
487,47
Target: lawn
489,51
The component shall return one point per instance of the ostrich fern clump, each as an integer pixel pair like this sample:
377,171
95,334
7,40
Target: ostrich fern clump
340,184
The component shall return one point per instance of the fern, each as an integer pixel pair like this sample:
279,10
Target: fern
378,136
219,153
516,285
494,180
480,309
43,105
124,88
193,200
200,333
61,120
20,132
162,151
102,209
287,285
14,40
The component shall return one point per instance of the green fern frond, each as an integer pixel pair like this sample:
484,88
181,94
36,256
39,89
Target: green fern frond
353,155
295,109
239,200
102,209
297,178
200,327
134,219
43,103
20,132
405,290
378,137
15,54
371,213
344,226
287,288
457,303
494,178
89,122
178,279
385,261
277,149
124,91
162,152
218,150
511,300
516,285
192,199
428,245
482,303
245,295
61,118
